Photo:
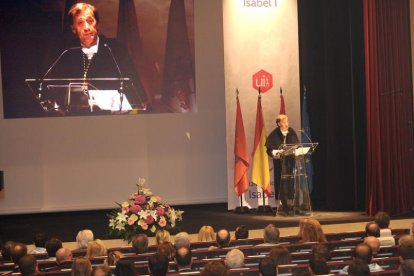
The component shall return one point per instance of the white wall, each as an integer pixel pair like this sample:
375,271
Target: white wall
78,163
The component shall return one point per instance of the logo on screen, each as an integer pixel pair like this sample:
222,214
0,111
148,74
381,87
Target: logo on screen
262,80
260,3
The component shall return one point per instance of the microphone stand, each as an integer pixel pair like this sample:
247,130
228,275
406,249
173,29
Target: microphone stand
121,83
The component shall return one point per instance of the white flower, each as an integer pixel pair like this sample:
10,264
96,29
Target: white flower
153,214
120,226
121,217
143,214
112,223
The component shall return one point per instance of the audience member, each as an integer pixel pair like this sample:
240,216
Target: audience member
271,236
167,249
39,240
374,243
312,231
52,246
158,264
267,267
182,239
206,233
364,253
102,270
318,266
382,219
301,224
114,257
280,255
358,268
214,268
406,250
372,229
81,266
241,232
140,244
64,257
83,238
125,267
28,265
234,259
183,259
17,252
407,268
162,236
405,238
321,251
5,253
96,248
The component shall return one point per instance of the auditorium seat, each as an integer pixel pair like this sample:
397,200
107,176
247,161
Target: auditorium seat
292,269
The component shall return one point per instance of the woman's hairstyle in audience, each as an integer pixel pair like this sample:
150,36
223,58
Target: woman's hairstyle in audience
241,232
267,267
125,267
206,233
40,239
321,251
358,268
280,255
382,219
81,266
96,248
167,249
214,268
83,238
162,236
102,270
319,266
28,265
52,246
312,231
158,264
6,251
114,257
301,224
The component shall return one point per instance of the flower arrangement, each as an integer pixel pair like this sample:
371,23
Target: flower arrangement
142,212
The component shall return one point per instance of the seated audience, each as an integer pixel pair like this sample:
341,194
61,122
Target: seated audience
64,258
96,248
5,253
321,251
158,264
125,267
17,252
162,236
241,232
364,253
234,259
374,243
312,231
382,219
81,266
83,238
407,268
405,238
222,239
28,265
271,236
214,268
167,249
140,244
267,267
301,224
280,255
102,270
372,229
358,268
114,257
39,240
184,259
182,239
406,250
318,266
206,233
52,246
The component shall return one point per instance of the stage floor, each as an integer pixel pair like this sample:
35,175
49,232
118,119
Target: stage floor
66,225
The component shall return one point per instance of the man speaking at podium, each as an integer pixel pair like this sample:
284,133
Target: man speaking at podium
94,56
284,188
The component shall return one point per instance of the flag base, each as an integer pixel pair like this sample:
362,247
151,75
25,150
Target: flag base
265,209
241,210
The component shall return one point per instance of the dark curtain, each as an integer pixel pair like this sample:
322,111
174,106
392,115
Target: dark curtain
390,165
332,71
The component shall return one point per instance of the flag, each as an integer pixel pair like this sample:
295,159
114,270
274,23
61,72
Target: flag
306,136
282,103
260,166
241,156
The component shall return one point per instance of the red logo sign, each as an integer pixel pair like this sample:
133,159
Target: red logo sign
262,80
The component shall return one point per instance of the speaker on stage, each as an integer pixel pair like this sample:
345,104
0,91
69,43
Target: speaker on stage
1,180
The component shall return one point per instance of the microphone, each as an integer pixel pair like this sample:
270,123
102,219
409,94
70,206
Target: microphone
306,135
53,65
121,84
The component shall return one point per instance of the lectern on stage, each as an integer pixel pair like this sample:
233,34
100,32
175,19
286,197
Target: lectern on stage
83,96
294,188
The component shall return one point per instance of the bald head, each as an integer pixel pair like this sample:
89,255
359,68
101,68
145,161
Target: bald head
363,252
374,243
223,237
63,255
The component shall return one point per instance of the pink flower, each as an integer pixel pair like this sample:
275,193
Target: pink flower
140,199
131,221
125,209
135,209
160,211
162,222
149,220
144,226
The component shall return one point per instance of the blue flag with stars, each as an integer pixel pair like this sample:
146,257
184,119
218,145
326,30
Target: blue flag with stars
307,138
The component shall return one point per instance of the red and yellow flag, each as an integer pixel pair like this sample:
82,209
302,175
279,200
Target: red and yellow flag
282,103
241,156
260,166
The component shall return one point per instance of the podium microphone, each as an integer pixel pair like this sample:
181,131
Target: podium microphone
304,132
121,84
